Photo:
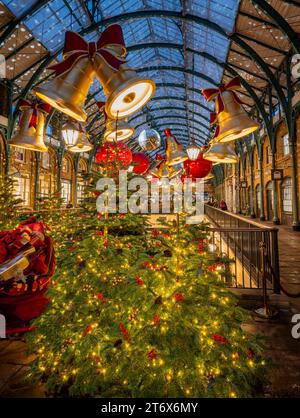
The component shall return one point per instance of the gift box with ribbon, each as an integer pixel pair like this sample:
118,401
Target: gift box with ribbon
27,265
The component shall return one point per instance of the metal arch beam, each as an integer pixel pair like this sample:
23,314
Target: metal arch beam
170,108
178,117
12,25
263,44
281,22
258,19
293,2
176,124
96,116
181,99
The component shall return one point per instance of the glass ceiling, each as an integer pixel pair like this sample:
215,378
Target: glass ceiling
177,103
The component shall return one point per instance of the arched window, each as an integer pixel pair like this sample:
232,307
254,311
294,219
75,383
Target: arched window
285,145
66,180
257,194
286,193
47,175
81,184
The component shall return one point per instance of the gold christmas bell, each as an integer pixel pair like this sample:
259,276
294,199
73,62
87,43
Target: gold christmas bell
116,130
220,153
175,153
31,130
231,117
126,92
162,170
82,144
68,90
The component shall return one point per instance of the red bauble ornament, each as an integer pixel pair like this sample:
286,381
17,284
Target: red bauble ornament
142,163
179,297
109,153
152,354
197,169
220,339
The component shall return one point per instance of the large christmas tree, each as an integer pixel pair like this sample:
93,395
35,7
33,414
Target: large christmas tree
141,312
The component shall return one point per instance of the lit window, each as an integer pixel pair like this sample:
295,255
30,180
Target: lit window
20,154
65,165
267,154
286,189
22,189
66,191
258,201
45,160
44,187
286,145
80,192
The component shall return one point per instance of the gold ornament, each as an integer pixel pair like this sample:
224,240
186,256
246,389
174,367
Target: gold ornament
175,153
220,153
117,130
30,135
126,92
82,144
68,92
233,121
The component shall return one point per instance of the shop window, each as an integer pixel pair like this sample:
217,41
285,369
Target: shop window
286,189
66,165
66,191
80,192
44,187
19,154
286,145
267,154
46,160
22,189
258,202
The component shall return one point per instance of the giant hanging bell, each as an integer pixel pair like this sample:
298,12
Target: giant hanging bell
221,153
82,144
116,130
68,91
31,129
231,117
126,92
175,153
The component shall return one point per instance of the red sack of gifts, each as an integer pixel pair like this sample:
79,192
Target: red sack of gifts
27,263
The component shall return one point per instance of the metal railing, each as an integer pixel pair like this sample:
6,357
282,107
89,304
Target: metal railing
240,240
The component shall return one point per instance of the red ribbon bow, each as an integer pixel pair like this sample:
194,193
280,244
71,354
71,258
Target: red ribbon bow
76,48
101,107
44,107
232,85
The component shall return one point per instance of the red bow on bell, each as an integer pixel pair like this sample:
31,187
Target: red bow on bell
160,157
213,121
232,86
44,107
101,107
76,48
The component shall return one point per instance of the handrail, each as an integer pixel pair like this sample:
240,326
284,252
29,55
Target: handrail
243,237
240,218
